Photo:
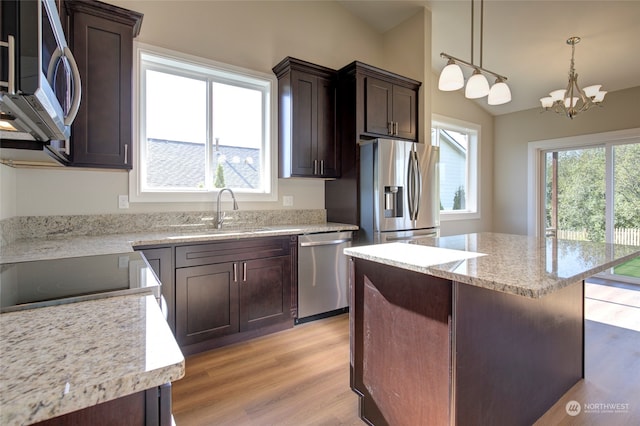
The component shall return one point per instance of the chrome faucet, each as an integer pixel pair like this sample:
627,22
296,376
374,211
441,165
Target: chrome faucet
220,215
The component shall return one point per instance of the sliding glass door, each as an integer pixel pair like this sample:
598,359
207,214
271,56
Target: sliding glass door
593,193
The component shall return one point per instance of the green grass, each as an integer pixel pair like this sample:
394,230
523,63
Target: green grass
630,268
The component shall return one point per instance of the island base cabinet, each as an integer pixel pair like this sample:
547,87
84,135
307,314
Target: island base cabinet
400,348
515,356
425,350
151,407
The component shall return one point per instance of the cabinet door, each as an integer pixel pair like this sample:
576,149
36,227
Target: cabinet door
103,48
327,149
161,261
378,106
265,292
304,124
404,112
206,302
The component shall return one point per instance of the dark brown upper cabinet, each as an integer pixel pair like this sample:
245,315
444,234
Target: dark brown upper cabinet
371,101
308,146
391,109
386,104
101,38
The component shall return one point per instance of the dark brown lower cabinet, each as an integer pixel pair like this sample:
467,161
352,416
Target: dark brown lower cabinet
427,350
161,261
151,407
235,290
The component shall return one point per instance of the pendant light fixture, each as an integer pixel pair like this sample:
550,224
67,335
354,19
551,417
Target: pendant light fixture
451,77
573,100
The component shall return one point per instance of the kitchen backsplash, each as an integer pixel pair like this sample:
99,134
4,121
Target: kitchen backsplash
17,228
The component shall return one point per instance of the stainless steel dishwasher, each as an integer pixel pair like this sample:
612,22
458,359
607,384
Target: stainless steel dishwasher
323,275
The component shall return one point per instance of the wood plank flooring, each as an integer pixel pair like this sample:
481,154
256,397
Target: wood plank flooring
301,376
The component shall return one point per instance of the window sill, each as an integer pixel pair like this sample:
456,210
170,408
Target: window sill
463,215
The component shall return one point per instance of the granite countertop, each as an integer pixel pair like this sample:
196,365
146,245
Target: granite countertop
522,265
63,358
72,246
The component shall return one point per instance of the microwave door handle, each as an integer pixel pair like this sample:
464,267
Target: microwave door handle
77,88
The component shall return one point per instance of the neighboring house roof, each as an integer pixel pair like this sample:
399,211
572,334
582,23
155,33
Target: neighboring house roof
173,164
446,137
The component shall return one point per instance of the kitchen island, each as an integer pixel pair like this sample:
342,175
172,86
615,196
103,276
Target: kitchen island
101,354
470,329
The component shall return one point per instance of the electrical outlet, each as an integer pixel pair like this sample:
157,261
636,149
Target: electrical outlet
123,201
287,200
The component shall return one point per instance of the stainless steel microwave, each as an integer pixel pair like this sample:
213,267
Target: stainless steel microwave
40,86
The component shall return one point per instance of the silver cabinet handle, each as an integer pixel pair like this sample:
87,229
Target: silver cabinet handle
244,271
395,128
390,127
315,167
235,272
126,153
322,167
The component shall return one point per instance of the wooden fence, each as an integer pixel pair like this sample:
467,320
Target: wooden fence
629,236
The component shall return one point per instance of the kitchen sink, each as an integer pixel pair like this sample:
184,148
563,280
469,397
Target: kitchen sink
223,231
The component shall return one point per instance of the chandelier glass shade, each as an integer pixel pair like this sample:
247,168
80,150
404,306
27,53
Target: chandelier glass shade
452,78
573,100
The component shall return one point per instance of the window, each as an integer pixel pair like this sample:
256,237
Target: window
458,167
202,126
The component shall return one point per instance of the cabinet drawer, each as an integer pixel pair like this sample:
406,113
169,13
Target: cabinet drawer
231,251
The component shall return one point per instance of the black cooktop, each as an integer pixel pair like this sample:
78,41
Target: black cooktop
33,284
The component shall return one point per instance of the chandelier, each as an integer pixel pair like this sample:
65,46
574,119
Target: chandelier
573,100
452,78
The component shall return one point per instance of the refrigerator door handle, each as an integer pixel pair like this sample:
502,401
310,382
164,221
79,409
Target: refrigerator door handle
414,183
418,185
410,185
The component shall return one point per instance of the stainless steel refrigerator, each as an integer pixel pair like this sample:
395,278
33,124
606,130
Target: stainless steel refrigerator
399,191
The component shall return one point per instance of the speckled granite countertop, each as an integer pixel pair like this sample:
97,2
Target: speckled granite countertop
63,358
61,246
515,264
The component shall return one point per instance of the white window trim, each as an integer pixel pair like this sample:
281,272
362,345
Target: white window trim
473,184
270,150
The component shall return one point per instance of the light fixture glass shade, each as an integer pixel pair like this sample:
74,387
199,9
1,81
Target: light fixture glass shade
569,104
546,102
477,86
451,78
557,95
599,97
591,91
499,93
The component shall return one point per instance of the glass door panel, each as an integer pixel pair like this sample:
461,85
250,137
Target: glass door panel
626,205
575,194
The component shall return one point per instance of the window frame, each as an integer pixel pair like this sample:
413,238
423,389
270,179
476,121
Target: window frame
194,66
472,210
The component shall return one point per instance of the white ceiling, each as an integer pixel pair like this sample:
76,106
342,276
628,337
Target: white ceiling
525,40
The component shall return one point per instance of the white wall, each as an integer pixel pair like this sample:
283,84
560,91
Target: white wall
250,34
620,110
7,192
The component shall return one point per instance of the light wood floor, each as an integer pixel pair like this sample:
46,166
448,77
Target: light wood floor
301,376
